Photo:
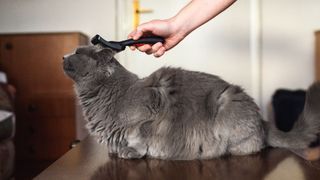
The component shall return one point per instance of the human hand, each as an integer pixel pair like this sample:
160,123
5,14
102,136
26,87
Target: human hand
164,28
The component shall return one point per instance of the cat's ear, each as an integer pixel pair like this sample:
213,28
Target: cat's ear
104,53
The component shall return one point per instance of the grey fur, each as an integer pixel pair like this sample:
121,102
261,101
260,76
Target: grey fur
175,113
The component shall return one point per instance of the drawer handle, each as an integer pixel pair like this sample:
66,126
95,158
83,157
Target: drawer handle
31,130
32,108
8,46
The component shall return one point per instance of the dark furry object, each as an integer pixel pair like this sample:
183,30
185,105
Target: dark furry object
175,113
287,106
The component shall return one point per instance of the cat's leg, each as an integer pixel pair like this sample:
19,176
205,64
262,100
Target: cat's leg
134,148
123,151
129,153
213,149
249,145
132,151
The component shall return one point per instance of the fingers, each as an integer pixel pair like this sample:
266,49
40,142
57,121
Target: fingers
132,48
154,48
135,35
145,48
139,32
130,35
157,49
160,52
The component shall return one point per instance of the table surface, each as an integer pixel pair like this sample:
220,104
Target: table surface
89,160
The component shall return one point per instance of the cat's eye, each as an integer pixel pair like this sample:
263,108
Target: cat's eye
77,51
85,74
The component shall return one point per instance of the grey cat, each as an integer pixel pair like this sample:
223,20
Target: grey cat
175,113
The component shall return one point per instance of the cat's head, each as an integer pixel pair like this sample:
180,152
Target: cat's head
90,63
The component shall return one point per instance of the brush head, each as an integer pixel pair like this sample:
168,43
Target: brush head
117,46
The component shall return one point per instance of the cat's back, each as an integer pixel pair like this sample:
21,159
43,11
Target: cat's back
187,95
185,81
194,97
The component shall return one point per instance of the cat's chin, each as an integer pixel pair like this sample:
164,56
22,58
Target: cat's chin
69,70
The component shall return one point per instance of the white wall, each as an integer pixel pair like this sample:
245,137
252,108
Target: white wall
87,16
288,44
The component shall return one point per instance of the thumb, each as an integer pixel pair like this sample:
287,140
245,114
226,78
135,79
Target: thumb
142,30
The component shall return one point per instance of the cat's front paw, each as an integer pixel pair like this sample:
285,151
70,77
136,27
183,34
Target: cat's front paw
129,153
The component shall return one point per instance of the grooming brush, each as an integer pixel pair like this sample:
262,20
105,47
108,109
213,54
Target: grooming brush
121,45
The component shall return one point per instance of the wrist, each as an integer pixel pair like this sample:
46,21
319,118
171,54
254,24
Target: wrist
178,28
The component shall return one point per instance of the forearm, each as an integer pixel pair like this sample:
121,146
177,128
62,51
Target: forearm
198,12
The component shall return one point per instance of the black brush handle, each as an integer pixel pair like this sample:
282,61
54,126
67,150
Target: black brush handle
121,45
142,40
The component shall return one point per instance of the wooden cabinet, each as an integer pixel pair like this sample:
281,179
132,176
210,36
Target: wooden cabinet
45,101
318,55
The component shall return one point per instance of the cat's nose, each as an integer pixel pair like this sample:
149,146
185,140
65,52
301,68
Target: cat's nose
66,56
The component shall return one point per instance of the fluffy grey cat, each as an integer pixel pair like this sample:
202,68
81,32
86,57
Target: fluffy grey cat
175,113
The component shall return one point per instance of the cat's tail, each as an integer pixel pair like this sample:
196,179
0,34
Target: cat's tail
305,129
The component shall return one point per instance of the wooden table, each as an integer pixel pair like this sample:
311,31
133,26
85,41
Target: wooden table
90,160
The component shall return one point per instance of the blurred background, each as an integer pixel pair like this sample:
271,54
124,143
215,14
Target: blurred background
261,45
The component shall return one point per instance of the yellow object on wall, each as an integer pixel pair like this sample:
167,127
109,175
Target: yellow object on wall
137,11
